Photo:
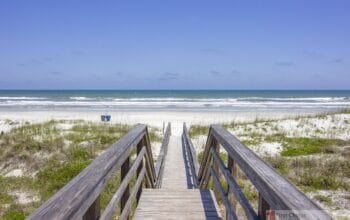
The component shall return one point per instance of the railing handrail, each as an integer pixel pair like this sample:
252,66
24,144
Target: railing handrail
274,189
192,155
77,197
159,168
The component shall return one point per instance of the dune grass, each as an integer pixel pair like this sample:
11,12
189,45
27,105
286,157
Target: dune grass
50,157
298,146
312,174
197,130
311,156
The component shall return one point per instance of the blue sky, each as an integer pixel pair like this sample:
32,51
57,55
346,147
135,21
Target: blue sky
179,44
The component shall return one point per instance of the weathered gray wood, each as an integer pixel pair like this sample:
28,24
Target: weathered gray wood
206,160
161,157
148,181
75,198
222,194
123,173
177,204
263,207
232,169
192,151
175,174
235,189
279,193
204,180
139,152
150,156
149,171
93,213
126,211
192,176
113,204
216,149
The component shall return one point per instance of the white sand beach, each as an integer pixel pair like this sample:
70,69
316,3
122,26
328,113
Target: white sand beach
245,126
152,118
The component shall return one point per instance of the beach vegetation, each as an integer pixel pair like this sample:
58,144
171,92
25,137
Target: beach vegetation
297,146
49,155
198,130
314,152
323,199
312,174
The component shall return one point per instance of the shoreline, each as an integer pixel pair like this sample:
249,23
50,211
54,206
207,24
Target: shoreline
152,118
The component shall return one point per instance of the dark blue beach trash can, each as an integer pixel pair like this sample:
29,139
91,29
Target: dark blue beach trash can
106,118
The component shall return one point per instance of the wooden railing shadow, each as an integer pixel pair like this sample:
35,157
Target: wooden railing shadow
191,176
276,194
80,198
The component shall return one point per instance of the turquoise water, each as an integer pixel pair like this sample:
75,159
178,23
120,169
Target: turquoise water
175,100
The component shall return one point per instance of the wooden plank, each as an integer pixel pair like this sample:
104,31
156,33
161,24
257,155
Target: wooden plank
263,207
216,149
161,157
139,148
179,204
113,204
150,175
191,172
232,168
93,213
150,156
126,211
193,155
75,198
235,189
221,192
205,162
125,196
279,193
175,175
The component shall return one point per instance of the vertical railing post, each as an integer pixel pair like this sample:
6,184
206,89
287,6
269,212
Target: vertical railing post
216,146
263,208
124,171
232,167
94,212
205,168
138,149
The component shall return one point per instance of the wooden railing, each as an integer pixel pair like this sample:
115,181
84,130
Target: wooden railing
276,194
192,156
161,157
80,198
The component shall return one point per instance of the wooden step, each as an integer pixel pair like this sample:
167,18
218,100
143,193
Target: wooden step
177,204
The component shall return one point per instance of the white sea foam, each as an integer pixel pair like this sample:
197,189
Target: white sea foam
316,99
21,98
80,98
205,103
187,103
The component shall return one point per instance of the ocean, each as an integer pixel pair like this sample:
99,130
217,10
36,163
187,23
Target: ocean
174,100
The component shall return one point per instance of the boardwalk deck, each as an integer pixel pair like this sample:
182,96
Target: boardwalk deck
171,189
174,170
177,204
175,200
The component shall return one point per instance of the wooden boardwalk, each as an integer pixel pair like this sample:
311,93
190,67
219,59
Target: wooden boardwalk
177,186
175,199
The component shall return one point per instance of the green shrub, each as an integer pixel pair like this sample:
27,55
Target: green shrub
306,146
279,163
54,177
198,130
325,199
14,215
